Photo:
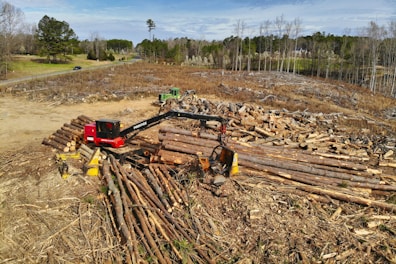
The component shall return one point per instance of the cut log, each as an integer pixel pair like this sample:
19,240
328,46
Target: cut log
178,190
186,148
60,140
341,157
156,187
77,123
55,145
118,206
59,135
296,155
189,133
387,163
85,119
187,139
67,134
167,186
304,167
263,132
171,157
285,171
329,193
85,151
350,198
73,131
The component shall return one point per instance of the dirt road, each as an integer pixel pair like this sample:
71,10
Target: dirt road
24,122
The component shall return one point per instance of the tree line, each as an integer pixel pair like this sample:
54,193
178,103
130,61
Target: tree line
368,59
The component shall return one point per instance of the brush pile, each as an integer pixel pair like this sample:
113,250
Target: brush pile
150,209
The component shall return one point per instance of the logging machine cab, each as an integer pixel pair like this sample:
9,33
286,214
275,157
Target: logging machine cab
104,132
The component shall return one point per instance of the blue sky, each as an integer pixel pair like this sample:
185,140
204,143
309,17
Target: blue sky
208,20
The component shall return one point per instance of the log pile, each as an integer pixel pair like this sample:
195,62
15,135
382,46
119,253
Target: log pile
151,209
323,133
70,136
147,207
346,180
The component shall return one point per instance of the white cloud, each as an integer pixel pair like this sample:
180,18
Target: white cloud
214,19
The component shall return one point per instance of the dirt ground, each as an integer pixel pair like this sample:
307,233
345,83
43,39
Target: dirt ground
31,187
26,122
46,219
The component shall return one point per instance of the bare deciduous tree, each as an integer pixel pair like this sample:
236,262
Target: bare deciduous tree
297,29
238,30
343,52
374,34
243,27
28,43
279,22
267,25
392,33
10,21
260,45
98,44
287,48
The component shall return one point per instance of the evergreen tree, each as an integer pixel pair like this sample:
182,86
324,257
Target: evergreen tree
54,37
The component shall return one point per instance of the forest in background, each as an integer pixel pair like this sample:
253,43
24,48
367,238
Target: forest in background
367,60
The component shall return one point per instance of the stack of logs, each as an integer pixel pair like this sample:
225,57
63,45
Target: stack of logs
345,180
323,133
70,136
150,211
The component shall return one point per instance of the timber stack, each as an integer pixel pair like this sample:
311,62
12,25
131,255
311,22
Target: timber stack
342,179
150,209
324,134
307,150
70,136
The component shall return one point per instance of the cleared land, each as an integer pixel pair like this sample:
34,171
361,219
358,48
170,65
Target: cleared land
45,218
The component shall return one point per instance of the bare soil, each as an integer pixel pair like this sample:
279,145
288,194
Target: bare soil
44,218
29,122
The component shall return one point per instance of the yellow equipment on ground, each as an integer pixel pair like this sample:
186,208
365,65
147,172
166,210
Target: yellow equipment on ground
61,158
65,156
234,165
222,161
91,168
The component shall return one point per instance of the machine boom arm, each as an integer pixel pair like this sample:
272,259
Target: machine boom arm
171,114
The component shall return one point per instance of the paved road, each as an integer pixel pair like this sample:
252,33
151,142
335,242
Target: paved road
32,77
